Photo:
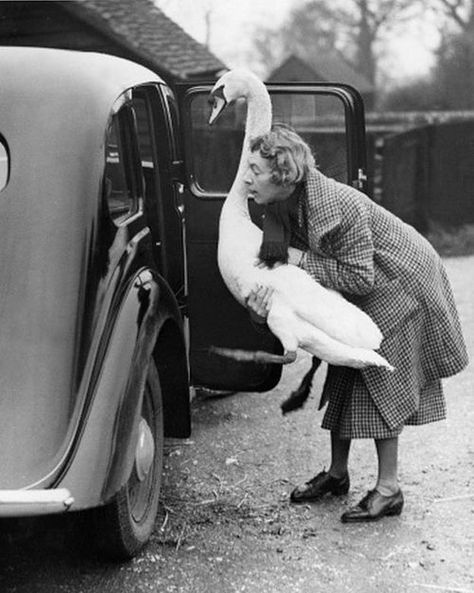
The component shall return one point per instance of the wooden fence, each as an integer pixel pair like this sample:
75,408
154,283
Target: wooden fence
427,173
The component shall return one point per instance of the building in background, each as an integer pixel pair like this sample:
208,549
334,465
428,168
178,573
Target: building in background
325,67
134,29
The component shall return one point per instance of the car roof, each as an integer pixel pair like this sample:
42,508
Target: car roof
57,103
55,107
39,68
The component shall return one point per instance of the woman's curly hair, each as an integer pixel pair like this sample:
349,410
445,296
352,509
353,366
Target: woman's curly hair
289,155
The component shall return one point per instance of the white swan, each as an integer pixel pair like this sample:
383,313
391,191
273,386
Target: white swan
302,313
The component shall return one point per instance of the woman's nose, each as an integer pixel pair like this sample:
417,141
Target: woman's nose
248,177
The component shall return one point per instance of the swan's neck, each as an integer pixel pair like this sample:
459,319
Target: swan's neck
259,120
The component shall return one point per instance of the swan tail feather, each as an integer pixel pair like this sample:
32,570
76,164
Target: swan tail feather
374,359
257,356
363,359
298,398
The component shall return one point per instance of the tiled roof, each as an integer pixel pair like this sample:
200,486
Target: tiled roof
145,29
330,67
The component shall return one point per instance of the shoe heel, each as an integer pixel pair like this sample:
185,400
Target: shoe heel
340,490
396,509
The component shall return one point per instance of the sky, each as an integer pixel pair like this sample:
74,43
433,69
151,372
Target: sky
409,53
232,23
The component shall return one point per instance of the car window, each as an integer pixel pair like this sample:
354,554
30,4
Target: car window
216,149
118,181
143,100
147,131
143,121
4,164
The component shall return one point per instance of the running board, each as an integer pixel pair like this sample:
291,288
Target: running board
24,503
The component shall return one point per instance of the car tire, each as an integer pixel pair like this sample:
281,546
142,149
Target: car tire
124,525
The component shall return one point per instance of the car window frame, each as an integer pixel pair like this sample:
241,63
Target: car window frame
122,112
353,109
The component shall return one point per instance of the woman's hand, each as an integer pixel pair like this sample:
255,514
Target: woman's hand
295,256
258,302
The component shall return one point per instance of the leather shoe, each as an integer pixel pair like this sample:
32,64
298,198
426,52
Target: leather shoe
374,506
319,486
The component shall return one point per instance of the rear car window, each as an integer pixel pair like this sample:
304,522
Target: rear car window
119,187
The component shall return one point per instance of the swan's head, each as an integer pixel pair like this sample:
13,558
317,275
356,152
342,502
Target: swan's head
231,86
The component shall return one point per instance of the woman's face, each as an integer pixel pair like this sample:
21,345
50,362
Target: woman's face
259,182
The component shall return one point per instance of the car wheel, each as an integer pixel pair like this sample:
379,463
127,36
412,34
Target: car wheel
125,524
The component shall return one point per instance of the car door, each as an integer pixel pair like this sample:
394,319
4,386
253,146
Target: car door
158,153
331,118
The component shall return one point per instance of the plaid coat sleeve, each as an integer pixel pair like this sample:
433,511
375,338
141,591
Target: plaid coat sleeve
341,254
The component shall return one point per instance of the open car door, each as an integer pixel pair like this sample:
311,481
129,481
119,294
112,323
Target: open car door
331,119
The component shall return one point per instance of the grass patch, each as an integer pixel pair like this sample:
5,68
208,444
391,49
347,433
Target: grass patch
452,241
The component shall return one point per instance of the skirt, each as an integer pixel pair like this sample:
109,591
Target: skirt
352,414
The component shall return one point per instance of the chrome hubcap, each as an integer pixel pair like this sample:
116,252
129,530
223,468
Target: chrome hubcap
145,451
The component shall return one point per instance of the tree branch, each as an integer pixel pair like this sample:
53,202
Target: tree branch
452,10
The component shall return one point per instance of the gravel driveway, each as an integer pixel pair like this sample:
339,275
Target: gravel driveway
227,497
226,524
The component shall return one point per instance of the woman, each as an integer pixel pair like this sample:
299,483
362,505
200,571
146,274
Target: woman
348,243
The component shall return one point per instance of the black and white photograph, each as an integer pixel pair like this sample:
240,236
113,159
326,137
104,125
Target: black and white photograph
237,296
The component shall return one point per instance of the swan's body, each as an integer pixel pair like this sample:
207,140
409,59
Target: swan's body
302,313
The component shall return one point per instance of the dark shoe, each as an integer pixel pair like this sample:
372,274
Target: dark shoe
374,506
319,486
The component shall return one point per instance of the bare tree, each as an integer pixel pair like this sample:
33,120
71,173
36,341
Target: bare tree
372,21
453,75
460,12
352,28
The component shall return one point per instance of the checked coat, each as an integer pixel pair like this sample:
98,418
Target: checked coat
390,271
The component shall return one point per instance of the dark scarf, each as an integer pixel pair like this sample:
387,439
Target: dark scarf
277,230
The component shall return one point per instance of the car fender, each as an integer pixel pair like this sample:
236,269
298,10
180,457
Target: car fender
102,456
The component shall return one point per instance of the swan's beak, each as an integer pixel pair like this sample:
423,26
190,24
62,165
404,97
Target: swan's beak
218,107
218,104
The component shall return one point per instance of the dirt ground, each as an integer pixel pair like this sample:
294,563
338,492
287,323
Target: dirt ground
226,524
227,496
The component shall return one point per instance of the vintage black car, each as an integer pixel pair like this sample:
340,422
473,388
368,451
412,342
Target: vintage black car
111,185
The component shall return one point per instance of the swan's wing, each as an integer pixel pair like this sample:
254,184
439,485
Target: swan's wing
319,344
294,332
325,309
284,324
